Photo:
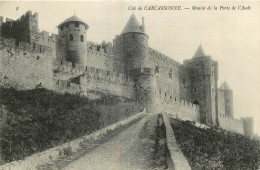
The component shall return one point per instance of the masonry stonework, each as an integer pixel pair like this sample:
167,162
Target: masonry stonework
128,67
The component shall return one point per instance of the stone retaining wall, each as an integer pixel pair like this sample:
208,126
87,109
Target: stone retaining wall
31,162
176,159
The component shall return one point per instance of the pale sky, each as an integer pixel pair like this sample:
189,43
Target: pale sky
230,37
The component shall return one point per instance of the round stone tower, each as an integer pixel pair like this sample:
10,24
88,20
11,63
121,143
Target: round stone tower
73,32
228,95
135,44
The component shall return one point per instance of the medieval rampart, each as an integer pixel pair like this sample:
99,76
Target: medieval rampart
182,109
25,67
231,124
98,57
107,82
91,78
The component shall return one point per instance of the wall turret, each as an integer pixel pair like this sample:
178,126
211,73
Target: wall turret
228,99
73,32
135,45
248,123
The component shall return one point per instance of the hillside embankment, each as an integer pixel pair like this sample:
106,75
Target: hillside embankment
35,120
215,149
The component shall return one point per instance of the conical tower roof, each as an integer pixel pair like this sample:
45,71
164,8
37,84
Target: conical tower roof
73,18
199,53
132,25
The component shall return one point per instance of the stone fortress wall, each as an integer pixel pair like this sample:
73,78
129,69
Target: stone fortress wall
231,124
24,68
127,68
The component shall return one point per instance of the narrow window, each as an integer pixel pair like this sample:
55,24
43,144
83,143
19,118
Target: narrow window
34,47
82,38
71,37
170,74
61,28
156,69
183,81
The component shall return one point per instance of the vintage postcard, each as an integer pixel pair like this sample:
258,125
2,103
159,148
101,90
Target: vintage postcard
122,85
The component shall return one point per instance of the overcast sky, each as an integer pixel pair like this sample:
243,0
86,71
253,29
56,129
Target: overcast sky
230,37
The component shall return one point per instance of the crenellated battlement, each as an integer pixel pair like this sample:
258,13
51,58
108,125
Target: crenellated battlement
96,49
100,49
174,100
92,72
28,13
230,118
45,38
109,76
69,68
21,46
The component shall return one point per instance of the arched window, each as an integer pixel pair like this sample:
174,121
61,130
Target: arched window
71,37
82,38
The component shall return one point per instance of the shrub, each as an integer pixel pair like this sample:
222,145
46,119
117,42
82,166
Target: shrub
40,119
209,149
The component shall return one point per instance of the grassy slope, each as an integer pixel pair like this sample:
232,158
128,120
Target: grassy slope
208,149
40,119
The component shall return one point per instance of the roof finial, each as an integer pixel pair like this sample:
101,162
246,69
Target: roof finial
74,12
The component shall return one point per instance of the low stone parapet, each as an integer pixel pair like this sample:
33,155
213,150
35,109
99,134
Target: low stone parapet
176,160
31,162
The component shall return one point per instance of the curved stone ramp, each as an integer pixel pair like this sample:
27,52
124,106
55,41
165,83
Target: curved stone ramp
176,160
127,150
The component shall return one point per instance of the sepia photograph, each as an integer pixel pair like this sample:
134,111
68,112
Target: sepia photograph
129,85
